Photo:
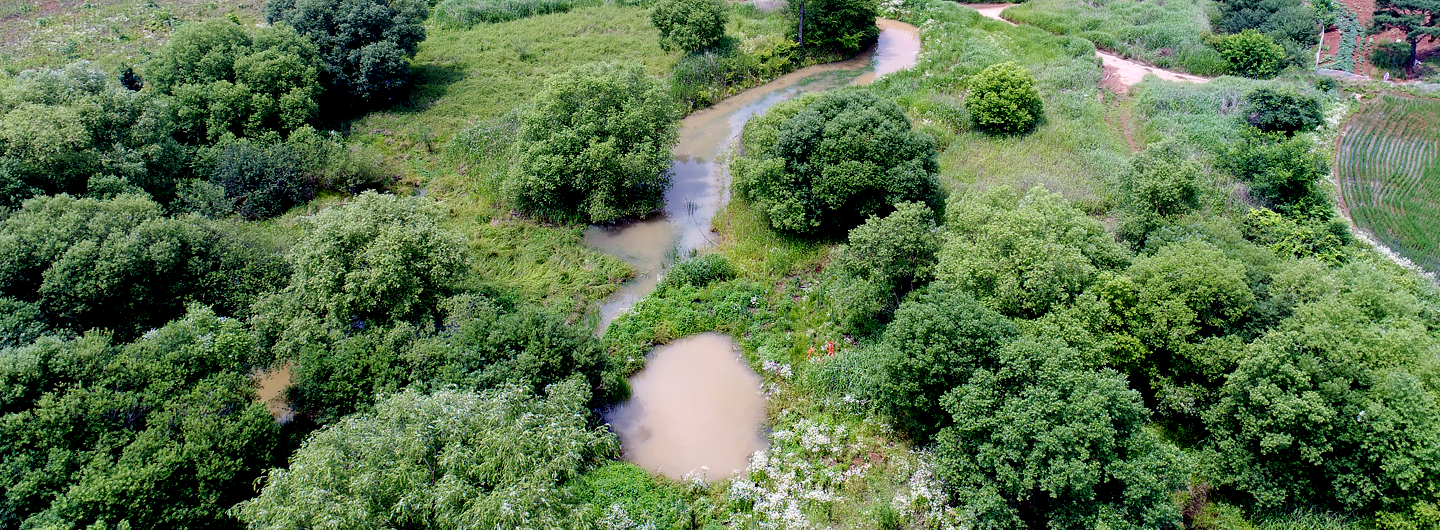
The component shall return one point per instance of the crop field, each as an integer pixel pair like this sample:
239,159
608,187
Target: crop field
1388,168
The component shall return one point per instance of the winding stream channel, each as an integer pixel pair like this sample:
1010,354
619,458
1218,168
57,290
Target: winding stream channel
697,408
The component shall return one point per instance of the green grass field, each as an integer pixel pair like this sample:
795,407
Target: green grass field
35,34
1165,34
1387,164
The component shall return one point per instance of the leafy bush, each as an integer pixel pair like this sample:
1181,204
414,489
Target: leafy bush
1251,54
161,433
883,260
265,181
622,491
497,459
823,165
467,13
1163,183
1284,173
229,79
596,146
1282,111
1391,56
704,78
365,44
1039,441
1327,241
940,336
700,272
1003,99
1291,23
689,25
845,26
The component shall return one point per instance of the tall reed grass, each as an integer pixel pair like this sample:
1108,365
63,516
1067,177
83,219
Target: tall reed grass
467,13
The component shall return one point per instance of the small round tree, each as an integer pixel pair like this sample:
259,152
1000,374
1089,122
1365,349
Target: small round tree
1283,111
366,44
596,146
846,26
1251,54
1003,99
689,25
822,165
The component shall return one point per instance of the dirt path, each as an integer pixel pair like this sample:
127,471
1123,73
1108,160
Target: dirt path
1120,73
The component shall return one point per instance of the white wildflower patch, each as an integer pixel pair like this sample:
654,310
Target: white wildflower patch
805,470
922,498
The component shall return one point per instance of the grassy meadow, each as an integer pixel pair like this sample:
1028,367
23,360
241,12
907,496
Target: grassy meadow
106,32
1387,165
1165,34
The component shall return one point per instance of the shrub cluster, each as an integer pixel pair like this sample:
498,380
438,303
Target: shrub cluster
689,25
1003,99
1251,54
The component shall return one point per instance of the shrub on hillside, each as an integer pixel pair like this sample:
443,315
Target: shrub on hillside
699,272
845,26
823,165
595,147
1391,56
1003,99
366,45
689,25
243,81
1163,183
1284,173
884,259
1284,111
1251,54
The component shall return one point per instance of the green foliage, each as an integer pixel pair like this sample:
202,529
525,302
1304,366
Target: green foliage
822,165
1282,111
229,79
621,492
1291,23
262,180
1038,441
467,13
1391,56
1327,241
595,147
689,25
1003,99
882,261
161,433
378,260
1162,185
702,79
365,44
1023,255
1167,35
1251,54
845,26
1418,19
1284,173
700,272
452,459
120,264
1323,412
940,336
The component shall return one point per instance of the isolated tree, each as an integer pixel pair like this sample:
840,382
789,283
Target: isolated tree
1283,111
1418,19
1251,54
1038,441
595,147
1003,99
823,165
845,26
689,25
882,261
451,459
366,45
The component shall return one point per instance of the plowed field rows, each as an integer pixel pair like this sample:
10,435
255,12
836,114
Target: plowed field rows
1388,168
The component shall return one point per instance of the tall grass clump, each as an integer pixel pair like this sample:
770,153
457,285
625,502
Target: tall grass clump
466,13
1166,34
482,151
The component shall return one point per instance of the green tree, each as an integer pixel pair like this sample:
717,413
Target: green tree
1418,19
161,433
940,336
822,165
452,459
1284,173
1251,54
1038,441
1283,111
227,79
845,26
120,264
596,146
1162,184
689,25
1003,99
365,45
1024,255
1291,23
883,260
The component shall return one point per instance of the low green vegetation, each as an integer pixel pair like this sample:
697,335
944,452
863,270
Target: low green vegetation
1251,54
1384,169
1290,23
1168,35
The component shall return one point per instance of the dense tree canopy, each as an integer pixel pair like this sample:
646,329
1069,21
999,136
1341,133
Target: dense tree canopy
595,147
1162,185
366,45
823,165
689,25
883,260
845,26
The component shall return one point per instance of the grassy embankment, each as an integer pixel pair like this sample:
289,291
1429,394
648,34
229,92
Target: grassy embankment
1165,34
1387,165
105,32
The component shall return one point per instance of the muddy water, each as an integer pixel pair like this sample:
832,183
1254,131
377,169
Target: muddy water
700,184
272,392
695,408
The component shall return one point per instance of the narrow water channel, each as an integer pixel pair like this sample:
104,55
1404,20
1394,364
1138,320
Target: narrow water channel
701,185
696,409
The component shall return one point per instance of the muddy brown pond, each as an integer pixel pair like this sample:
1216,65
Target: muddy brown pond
697,409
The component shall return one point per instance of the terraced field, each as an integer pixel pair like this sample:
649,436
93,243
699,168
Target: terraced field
1388,169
